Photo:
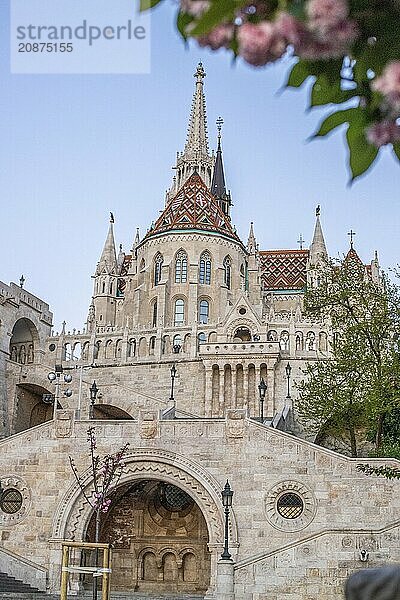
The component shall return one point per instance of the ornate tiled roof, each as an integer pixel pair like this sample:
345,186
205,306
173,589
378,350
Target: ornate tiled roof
193,207
284,269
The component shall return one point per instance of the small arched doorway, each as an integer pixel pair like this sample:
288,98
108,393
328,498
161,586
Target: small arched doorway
159,537
242,334
24,341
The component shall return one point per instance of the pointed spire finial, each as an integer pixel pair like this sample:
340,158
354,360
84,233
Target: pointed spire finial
318,248
300,241
111,217
200,73
21,281
318,211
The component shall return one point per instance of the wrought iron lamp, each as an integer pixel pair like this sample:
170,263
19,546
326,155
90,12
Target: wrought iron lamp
226,495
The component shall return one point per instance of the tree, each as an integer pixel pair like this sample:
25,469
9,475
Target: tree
349,48
105,472
359,386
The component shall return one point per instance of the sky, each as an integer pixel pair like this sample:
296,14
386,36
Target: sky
75,147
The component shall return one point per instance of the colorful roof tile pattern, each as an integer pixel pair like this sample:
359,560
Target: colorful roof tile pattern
193,207
284,269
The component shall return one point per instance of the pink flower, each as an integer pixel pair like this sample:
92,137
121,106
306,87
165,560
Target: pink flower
388,83
260,43
290,28
194,7
324,14
382,133
219,37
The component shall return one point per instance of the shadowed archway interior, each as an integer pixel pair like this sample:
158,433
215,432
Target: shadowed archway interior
159,539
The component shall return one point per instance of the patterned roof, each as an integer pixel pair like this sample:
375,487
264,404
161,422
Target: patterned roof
193,207
284,269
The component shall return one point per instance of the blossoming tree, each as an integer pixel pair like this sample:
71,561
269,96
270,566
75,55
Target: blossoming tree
350,49
105,474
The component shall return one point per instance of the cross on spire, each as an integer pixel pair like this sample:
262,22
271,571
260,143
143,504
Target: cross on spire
300,241
351,234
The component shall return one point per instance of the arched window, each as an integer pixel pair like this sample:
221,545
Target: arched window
154,318
204,309
272,336
179,312
299,341
142,265
152,345
310,341
284,341
177,343
227,271
323,341
181,267
205,268
158,263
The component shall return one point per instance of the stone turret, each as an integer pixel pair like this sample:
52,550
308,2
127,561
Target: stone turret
105,283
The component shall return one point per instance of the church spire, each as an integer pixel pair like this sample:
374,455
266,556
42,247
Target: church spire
251,242
218,187
108,257
318,247
196,141
196,153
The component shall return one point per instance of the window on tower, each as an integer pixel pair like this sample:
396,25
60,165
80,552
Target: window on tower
179,313
154,320
181,267
158,263
227,271
204,309
205,269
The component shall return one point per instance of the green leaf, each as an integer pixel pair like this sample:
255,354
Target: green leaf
182,22
146,4
361,153
324,92
298,74
334,120
223,10
396,149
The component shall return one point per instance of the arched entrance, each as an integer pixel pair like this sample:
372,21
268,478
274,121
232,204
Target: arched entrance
242,334
159,537
30,409
23,343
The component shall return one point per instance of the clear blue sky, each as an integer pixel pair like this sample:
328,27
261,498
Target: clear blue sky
75,147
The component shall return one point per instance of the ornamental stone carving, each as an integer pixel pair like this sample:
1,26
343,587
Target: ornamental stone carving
235,423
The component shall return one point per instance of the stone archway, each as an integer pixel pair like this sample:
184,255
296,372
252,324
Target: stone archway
159,537
24,341
73,515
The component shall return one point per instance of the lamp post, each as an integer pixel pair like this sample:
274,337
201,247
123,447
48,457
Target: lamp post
93,395
55,377
226,495
262,389
288,370
173,375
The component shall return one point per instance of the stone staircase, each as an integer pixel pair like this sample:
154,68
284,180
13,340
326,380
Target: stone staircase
14,594
9,586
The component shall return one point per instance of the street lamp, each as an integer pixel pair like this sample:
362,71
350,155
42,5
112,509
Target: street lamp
173,375
54,377
93,395
288,370
262,389
226,495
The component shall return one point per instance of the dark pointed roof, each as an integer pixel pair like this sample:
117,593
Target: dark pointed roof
218,187
193,208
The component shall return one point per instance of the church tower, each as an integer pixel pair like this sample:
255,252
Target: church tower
196,155
318,254
102,309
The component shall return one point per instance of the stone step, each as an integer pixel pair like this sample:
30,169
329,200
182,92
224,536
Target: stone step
9,585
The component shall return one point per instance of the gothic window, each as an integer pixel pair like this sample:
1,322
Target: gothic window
154,317
201,337
179,312
131,348
205,269
152,345
284,341
158,263
181,267
204,309
323,341
227,271
142,265
177,343
272,336
103,288
299,341
310,341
